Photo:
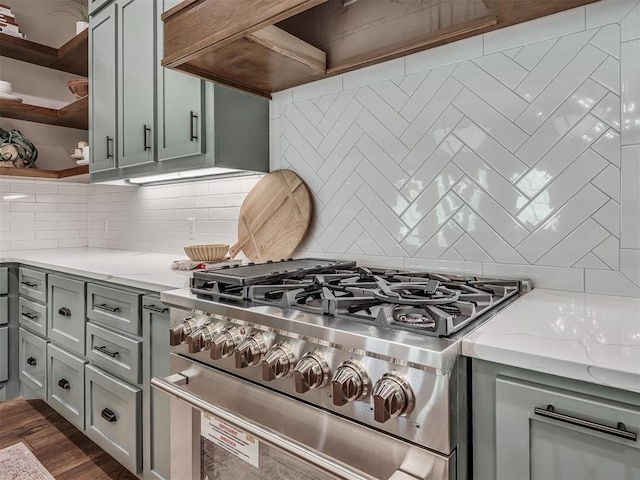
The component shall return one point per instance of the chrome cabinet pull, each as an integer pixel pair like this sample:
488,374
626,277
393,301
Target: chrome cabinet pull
618,431
64,384
104,306
155,308
32,361
109,141
30,316
144,133
104,350
109,415
29,284
193,136
64,311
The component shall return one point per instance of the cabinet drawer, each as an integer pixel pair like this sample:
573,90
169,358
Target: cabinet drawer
95,5
115,308
33,362
114,352
33,316
4,310
33,284
4,353
4,280
113,417
66,319
65,384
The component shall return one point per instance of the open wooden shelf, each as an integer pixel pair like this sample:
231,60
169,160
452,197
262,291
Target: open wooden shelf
74,115
70,57
37,173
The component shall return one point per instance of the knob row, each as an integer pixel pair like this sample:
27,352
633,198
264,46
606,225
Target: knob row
392,395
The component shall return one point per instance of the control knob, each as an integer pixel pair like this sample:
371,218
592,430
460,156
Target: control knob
224,343
278,362
312,371
349,383
392,397
179,332
200,339
250,351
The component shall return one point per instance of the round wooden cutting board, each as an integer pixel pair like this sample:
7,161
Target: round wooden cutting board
274,217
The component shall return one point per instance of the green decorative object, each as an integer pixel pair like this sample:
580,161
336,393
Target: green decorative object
16,149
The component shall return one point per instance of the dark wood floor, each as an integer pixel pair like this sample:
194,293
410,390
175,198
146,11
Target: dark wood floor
65,451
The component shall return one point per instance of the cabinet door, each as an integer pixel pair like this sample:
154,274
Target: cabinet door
532,445
181,110
102,84
136,93
155,325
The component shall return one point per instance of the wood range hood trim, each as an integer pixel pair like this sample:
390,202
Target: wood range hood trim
294,61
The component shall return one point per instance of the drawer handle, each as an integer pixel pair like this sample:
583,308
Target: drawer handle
109,415
30,316
155,308
29,284
64,311
104,350
64,384
618,431
104,306
32,361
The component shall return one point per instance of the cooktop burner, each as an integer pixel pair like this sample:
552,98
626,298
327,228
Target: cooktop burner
430,303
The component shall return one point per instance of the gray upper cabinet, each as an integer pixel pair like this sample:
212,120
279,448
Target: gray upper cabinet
102,85
166,121
95,5
136,82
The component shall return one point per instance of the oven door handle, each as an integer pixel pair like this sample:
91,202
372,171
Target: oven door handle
170,386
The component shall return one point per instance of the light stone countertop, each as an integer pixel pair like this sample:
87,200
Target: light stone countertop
144,270
588,337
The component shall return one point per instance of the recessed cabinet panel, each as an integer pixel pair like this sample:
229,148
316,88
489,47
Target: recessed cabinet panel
115,308
33,316
65,384
102,85
136,82
95,5
4,280
4,310
67,319
113,417
33,363
33,284
548,433
114,352
4,354
155,325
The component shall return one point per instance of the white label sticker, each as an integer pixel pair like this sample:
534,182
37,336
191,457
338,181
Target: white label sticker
234,441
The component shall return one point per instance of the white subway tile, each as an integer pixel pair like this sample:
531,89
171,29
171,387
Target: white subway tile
630,264
444,55
630,25
556,278
376,73
608,11
630,92
326,86
630,197
610,283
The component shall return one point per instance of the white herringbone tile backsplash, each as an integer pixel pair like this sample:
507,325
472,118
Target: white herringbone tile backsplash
515,153
502,161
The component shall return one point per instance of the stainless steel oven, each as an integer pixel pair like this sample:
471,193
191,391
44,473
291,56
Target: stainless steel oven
298,391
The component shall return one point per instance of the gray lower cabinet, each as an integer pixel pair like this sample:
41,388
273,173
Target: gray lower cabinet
529,425
65,384
4,354
4,310
113,307
33,363
66,320
157,450
114,417
32,284
33,316
114,352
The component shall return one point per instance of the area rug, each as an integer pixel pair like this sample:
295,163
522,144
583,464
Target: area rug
18,463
